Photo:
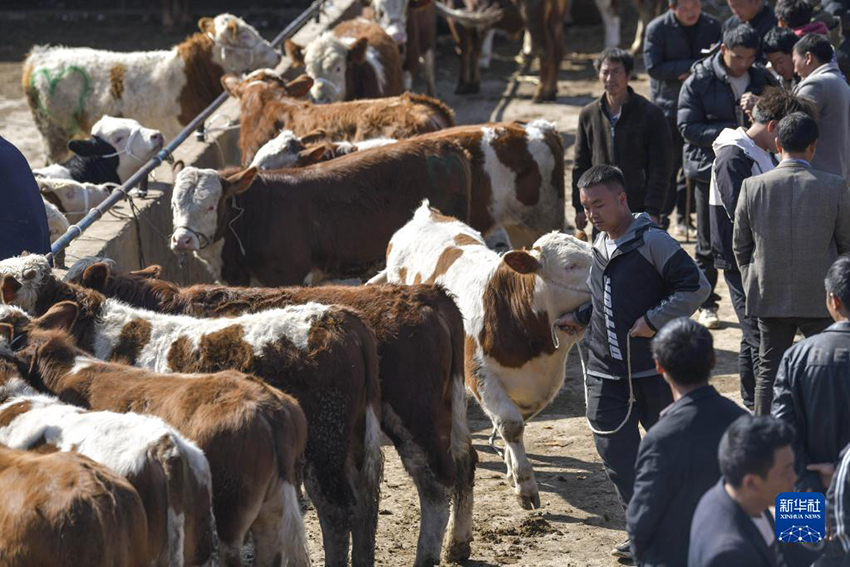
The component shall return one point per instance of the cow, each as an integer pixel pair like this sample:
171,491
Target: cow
420,346
355,60
67,507
252,434
73,198
297,226
515,358
288,150
324,356
69,88
168,471
117,149
268,105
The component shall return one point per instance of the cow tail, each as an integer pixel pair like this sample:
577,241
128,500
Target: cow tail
373,462
174,468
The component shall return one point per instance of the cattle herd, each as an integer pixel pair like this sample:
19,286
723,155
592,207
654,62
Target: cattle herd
172,424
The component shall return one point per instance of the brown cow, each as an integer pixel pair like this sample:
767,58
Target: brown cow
420,344
253,435
67,507
324,356
268,105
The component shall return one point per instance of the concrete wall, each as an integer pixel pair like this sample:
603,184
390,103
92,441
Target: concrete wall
138,240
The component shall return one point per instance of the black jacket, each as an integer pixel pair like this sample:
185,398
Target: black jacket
650,276
812,393
762,23
676,465
23,222
722,535
668,53
640,145
707,106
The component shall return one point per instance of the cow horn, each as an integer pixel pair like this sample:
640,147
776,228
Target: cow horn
480,20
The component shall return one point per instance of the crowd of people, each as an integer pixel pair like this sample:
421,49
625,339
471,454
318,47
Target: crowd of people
748,127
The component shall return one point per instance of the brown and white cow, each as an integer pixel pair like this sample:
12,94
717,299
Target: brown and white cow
324,356
268,105
69,88
355,60
58,512
169,472
515,359
420,345
295,226
253,435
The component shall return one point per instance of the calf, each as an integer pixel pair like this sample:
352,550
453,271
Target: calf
420,346
324,356
515,358
69,88
73,198
299,226
268,105
288,150
252,434
355,60
117,149
169,472
62,507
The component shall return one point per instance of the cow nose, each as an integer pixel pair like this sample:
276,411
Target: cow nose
183,242
157,138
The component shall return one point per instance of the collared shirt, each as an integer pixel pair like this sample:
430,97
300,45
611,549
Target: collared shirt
798,160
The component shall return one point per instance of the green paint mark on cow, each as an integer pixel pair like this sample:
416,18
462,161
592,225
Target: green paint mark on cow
53,82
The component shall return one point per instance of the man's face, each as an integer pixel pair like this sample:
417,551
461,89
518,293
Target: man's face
738,60
780,478
603,206
746,10
687,12
613,77
783,64
803,64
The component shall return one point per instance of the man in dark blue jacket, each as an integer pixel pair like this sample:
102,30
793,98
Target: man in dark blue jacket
677,459
639,280
674,42
23,222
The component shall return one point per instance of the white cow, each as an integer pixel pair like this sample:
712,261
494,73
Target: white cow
288,150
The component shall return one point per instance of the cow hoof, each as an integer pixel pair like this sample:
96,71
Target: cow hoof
541,96
458,551
468,88
529,502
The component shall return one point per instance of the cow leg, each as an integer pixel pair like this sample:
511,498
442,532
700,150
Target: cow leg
611,21
367,493
527,52
407,81
492,442
278,531
53,137
428,69
486,49
334,514
460,520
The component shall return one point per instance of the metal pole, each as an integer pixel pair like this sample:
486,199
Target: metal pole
94,214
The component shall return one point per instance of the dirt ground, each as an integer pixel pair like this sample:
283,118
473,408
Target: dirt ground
579,520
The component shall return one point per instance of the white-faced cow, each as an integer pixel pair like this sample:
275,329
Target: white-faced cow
288,150
355,60
515,360
69,88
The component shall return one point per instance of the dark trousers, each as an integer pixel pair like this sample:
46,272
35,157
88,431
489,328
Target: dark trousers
777,336
607,405
703,256
748,355
677,191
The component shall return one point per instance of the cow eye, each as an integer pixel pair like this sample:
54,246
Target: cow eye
338,69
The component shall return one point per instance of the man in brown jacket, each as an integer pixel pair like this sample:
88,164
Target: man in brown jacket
623,129
791,223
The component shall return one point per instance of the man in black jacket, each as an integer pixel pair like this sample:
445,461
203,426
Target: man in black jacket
778,45
674,42
23,222
717,95
677,459
757,13
624,129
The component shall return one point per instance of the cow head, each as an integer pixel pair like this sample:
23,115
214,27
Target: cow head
263,83
288,150
22,278
238,47
327,61
391,15
198,205
133,143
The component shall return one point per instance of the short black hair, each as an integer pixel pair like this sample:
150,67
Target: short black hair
779,40
837,281
607,175
795,13
615,54
742,35
776,104
749,446
796,132
816,44
685,349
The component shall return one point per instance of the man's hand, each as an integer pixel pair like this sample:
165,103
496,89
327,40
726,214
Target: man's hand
748,102
825,470
568,324
641,329
581,221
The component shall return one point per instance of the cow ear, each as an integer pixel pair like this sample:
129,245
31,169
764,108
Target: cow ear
311,155
7,332
239,182
60,316
521,261
232,85
314,137
153,272
295,52
299,86
207,25
233,28
9,287
89,148
95,276
357,51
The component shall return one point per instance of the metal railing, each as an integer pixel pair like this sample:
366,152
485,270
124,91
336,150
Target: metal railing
76,230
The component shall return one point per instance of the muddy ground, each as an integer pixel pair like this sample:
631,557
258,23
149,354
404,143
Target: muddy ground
580,519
